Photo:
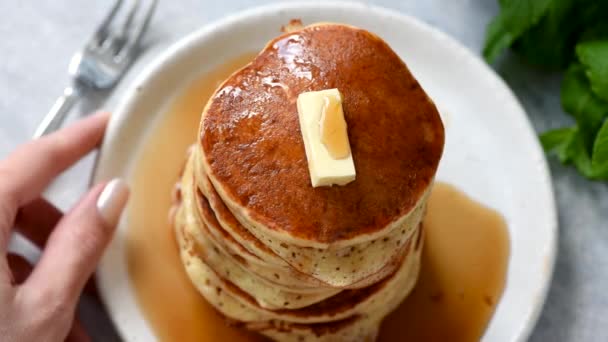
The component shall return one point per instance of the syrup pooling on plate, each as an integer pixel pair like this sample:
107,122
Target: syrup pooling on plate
462,273
464,259
171,305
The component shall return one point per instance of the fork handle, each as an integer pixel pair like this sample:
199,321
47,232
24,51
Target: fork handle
55,117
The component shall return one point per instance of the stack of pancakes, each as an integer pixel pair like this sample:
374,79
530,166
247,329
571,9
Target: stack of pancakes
264,247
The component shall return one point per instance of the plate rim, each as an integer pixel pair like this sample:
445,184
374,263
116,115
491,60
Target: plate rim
182,45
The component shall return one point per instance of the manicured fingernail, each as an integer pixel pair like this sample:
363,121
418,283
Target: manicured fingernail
112,201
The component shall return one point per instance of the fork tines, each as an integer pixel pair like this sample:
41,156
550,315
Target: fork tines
123,38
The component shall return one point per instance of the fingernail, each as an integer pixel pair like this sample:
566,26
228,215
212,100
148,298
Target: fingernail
112,201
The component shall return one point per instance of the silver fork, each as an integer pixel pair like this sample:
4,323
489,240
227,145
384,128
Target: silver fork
101,63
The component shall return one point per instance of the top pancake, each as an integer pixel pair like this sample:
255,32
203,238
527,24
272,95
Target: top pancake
254,154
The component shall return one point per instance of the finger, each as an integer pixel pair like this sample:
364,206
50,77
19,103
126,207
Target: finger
77,334
75,246
20,268
28,170
36,220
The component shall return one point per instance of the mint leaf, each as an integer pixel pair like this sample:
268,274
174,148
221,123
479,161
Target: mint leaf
516,16
599,161
586,144
598,31
594,56
568,145
592,12
578,100
553,34
557,141
578,154
550,43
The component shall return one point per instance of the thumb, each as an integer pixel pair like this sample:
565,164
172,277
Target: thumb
76,245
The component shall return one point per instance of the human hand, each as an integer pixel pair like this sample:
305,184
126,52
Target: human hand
38,303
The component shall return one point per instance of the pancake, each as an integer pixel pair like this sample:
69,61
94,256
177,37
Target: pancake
268,294
277,275
270,252
253,154
352,266
258,257
282,277
229,222
238,305
351,329
208,285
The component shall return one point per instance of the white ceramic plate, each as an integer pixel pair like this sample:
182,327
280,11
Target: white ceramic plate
491,152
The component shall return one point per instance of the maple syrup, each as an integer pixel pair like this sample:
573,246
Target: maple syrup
464,260
333,128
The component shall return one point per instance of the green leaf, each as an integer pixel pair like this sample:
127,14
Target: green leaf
515,17
577,153
598,31
567,144
592,12
557,141
550,43
594,56
599,161
578,100
554,34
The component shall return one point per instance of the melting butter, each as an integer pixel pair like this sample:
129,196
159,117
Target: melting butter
325,138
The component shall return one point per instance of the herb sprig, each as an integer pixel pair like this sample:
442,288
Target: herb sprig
570,36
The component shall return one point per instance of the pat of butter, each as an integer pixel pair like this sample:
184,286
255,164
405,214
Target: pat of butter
325,169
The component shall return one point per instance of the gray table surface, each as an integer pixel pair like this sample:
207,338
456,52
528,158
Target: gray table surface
39,36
